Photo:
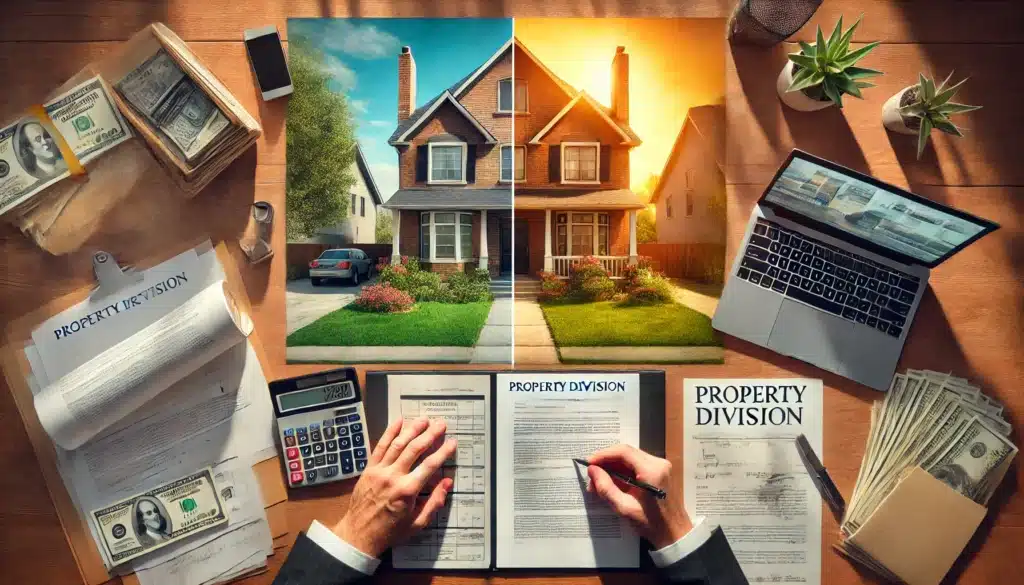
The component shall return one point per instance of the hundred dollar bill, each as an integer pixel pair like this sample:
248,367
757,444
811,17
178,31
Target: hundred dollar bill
169,513
174,104
30,159
972,459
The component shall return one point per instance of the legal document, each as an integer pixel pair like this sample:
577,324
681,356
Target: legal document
742,471
545,517
459,537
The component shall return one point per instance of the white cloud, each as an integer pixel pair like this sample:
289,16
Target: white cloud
386,177
339,72
359,106
363,41
380,123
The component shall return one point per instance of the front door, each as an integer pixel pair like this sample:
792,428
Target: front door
506,244
522,254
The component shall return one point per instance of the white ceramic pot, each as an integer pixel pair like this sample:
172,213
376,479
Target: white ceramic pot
797,100
891,117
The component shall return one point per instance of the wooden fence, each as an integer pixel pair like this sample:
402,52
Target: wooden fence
298,256
700,262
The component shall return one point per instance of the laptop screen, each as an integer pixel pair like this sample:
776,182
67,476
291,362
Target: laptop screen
885,217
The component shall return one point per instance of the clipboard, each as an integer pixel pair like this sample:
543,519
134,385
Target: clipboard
16,369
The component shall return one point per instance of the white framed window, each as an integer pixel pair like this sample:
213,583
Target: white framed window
581,162
446,163
513,163
513,95
505,92
582,233
446,236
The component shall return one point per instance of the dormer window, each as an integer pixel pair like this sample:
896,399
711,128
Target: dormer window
512,95
446,163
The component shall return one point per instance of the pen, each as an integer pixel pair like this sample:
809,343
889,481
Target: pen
658,493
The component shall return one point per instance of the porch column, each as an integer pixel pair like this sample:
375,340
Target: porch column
396,227
483,239
549,264
633,257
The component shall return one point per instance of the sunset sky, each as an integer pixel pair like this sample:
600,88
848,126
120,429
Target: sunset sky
673,64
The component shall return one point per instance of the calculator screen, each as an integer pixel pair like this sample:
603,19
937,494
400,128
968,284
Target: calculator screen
323,395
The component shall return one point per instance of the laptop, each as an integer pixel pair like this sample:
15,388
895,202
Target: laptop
833,265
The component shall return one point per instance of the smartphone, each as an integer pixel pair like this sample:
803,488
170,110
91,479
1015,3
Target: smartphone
268,62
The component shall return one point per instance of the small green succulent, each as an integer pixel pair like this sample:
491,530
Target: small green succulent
827,68
932,106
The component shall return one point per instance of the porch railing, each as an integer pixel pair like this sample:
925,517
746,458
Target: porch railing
613,264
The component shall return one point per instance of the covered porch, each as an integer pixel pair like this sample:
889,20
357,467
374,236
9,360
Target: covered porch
562,229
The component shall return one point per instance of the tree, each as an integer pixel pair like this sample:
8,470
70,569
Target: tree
384,226
321,147
646,230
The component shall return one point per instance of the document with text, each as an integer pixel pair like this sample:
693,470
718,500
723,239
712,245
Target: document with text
545,517
742,471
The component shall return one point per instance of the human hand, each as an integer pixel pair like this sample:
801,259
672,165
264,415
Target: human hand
660,522
385,508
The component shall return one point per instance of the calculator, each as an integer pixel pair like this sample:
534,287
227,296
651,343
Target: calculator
320,424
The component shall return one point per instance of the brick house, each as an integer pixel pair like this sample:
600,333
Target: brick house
452,209
572,196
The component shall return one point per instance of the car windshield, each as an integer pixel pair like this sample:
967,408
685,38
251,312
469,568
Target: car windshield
335,255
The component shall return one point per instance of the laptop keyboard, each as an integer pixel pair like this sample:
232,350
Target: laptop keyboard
828,278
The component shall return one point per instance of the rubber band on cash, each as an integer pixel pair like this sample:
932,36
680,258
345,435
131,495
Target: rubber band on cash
75,167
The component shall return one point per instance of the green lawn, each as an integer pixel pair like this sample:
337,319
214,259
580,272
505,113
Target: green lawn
607,323
427,324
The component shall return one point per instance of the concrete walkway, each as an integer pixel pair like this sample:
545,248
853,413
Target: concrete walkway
533,341
697,295
306,303
494,346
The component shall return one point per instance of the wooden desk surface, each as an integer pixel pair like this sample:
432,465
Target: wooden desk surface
970,321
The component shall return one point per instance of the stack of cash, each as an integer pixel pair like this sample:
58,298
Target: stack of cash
938,422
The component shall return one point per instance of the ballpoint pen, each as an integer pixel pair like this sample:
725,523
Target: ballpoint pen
658,493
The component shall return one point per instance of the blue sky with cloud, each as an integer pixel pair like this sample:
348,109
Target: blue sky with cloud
361,57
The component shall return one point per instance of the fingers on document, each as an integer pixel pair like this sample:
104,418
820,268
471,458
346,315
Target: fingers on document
385,441
426,508
609,490
433,462
618,456
421,444
410,431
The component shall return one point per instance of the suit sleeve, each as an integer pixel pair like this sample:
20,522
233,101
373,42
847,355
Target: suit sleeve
318,557
702,557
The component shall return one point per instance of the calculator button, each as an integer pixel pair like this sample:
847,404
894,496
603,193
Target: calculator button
360,453
306,451
296,477
289,441
332,445
320,460
329,433
344,443
357,427
303,439
311,475
357,440
316,436
289,432
360,464
301,431
342,431
328,423
332,458
340,420
353,418
308,462
292,453
318,448
331,471
314,426
346,463
295,465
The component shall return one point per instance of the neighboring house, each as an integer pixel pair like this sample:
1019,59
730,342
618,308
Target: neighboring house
360,227
572,196
691,191
452,208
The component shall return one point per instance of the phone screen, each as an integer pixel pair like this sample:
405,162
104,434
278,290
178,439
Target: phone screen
268,61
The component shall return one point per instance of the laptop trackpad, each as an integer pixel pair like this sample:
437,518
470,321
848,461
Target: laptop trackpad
810,335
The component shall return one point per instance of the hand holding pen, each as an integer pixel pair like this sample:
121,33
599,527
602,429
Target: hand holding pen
660,520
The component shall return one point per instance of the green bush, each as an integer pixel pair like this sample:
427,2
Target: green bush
411,264
470,293
595,288
552,288
480,275
421,278
458,279
589,281
647,287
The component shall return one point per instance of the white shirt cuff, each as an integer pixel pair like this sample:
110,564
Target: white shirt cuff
681,548
341,550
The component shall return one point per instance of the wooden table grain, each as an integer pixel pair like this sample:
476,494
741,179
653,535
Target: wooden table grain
970,321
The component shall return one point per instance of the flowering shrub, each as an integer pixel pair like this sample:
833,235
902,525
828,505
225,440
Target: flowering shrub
595,288
645,286
552,288
632,271
383,298
589,281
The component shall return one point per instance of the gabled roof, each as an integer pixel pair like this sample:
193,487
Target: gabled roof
457,90
447,96
706,123
628,137
364,170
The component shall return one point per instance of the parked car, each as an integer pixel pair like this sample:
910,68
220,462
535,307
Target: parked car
345,263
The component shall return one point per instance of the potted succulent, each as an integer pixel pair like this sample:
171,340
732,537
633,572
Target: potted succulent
819,75
919,108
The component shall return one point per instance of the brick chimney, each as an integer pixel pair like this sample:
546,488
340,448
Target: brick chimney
620,85
406,84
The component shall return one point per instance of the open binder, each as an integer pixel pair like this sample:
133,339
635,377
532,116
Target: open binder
477,533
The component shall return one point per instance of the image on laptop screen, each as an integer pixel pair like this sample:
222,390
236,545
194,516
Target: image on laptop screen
878,215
